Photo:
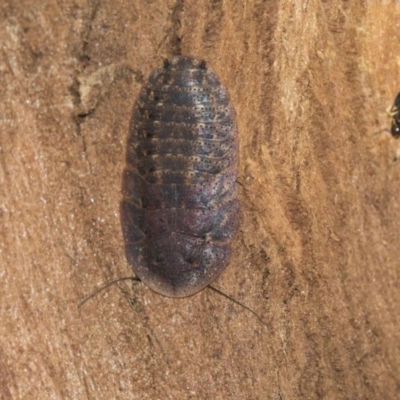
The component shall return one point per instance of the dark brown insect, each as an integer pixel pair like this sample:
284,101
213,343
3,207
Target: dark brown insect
395,114
180,210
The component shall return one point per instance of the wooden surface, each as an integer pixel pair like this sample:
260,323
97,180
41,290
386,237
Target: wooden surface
317,253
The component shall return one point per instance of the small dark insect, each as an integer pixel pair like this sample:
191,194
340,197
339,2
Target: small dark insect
179,211
395,115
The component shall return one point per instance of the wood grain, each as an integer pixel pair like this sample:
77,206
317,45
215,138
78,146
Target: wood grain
317,253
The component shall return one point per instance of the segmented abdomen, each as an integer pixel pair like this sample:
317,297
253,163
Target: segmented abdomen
180,210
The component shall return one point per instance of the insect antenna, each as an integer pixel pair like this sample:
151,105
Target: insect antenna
126,278
236,302
134,278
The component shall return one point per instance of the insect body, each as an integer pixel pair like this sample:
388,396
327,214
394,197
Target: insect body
179,211
395,115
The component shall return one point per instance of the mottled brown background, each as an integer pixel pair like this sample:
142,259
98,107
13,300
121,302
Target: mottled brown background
317,253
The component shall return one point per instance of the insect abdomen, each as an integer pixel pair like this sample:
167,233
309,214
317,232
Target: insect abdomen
180,210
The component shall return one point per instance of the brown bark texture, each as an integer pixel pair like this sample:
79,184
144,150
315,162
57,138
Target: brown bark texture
317,252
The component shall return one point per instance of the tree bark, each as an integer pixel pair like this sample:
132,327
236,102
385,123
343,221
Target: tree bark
317,253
